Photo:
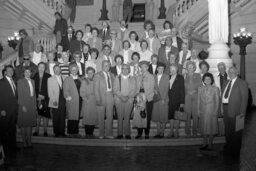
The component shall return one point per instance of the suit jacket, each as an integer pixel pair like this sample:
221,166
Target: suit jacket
148,83
72,106
163,58
53,91
24,98
113,70
238,98
8,101
163,86
101,88
28,45
76,45
107,36
150,69
181,56
44,88
129,54
66,41
125,35
179,43
155,45
117,46
102,58
117,90
217,81
177,92
97,44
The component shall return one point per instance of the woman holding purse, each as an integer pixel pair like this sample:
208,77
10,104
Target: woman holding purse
208,105
41,91
176,99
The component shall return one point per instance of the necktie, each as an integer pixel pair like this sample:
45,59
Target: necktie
183,57
109,86
228,89
13,86
222,79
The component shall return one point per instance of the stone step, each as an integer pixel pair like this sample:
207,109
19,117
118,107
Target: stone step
121,143
153,124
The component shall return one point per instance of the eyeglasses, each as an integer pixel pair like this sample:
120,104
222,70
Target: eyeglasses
26,59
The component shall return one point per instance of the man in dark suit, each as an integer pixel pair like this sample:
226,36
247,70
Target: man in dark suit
8,110
234,99
77,55
104,33
163,52
154,63
176,41
67,38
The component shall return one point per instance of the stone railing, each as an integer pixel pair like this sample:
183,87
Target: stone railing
48,41
183,6
56,5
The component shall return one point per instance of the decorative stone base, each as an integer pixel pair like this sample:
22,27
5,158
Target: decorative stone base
218,52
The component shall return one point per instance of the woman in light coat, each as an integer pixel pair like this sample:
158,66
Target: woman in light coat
89,112
71,87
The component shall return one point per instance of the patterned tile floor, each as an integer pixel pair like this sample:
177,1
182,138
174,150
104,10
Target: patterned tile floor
76,158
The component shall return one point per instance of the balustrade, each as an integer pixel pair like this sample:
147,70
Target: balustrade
183,6
56,5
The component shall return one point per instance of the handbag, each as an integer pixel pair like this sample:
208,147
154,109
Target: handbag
156,97
180,115
143,114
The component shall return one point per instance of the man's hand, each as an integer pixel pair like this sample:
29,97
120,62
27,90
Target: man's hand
69,98
24,109
3,113
98,103
55,103
41,97
242,115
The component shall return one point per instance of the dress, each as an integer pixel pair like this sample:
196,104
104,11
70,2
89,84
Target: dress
208,104
26,119
89,112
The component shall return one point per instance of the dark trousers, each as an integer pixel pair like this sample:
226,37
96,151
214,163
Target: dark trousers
149,108
233,138
58,117
73,126
89,129
8,131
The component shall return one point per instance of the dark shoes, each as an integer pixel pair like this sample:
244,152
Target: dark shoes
119,137
35,134
138,137
204,148
128,137
45,134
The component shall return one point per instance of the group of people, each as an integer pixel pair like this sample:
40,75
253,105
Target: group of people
96,74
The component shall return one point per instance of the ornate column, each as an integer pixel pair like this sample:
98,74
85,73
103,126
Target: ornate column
162,10
104,11
218,34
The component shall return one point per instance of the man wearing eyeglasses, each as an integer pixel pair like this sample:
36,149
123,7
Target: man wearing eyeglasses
19,70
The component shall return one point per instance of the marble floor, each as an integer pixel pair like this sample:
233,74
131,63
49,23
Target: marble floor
44,157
